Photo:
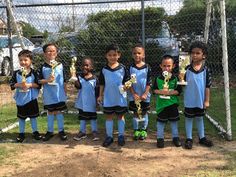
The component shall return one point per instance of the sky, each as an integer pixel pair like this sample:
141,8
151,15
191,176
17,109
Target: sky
51,17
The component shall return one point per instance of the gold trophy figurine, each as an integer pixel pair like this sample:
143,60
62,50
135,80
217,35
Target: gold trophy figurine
23,76
139,110
73,70
183,62
167,77
53,64
127,85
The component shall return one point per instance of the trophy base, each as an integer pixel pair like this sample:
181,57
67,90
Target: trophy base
165,97
182,83
23,91
73,79
140,119
52,83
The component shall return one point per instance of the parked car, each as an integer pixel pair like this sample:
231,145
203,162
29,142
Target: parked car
166,41
5,53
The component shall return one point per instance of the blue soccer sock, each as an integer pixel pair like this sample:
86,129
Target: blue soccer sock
145,123
200,127
50,122
189,127
82,126
160,129
22,125
135,123
109,128
60,122
121,127
94,126
174,129
33,122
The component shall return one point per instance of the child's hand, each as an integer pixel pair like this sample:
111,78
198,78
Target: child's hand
100,100
51,78
136,96
206,104
144,96
24,86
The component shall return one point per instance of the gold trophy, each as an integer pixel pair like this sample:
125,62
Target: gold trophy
139,110
167,77
127,85
73,70
53,64
23,80
183,62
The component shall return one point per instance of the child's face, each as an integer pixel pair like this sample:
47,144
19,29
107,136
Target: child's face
112,56
197,55
138,54
25,62
167,65
87,66
50,53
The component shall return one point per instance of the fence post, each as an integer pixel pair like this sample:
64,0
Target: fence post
143,23
225,67
9,31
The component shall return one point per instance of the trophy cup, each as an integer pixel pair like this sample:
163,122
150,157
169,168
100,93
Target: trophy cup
183,62
167,77
23,76
127,85
139,110
53,64
73,70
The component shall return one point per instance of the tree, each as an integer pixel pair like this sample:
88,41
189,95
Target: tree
123,27
29,30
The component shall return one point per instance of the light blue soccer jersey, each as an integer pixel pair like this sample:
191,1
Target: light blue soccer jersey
143,77
21,97
194,93
112,79
53,94
86,99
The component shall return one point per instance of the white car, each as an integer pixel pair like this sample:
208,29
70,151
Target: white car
5,53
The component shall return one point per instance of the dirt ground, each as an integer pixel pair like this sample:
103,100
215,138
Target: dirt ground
87,158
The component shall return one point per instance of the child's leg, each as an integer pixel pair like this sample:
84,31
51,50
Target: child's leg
200,127
109,131
50,122
60,121
135,123
33,123
160,129
174,129
121,125
21,125
189,127
109,126
82,126
121,130
145,123
94,125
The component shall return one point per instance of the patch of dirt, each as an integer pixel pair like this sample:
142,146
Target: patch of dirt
88,158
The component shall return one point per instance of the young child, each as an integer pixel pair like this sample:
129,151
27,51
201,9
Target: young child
25,81
140,91
51,76
197,93
167,107
112,76
87,99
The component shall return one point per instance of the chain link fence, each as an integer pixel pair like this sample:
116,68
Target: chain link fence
85,28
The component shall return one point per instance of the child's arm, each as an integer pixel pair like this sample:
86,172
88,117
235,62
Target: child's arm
207,90
148,84
101,80
101,91
207,98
